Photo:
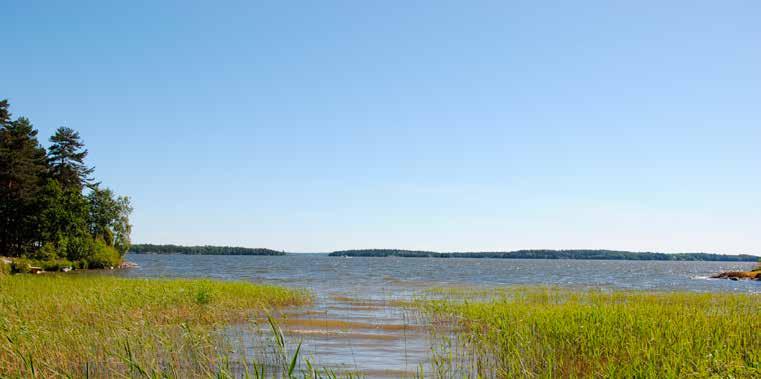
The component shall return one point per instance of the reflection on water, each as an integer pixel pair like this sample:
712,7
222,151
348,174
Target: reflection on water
354,323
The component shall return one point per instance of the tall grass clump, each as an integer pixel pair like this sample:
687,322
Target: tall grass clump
103,326
547,332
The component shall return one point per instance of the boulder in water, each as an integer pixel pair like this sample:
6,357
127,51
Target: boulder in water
737,275
128,264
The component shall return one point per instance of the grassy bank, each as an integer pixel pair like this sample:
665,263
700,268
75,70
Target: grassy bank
539,332
80,325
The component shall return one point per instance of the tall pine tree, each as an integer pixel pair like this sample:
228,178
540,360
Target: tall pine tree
5,116
22,174
67,156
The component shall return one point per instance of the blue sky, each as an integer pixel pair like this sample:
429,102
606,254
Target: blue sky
483,125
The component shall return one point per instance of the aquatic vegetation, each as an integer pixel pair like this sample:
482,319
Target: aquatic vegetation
88,325
81,325
549,332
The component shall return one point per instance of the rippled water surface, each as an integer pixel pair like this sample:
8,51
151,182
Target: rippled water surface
354,324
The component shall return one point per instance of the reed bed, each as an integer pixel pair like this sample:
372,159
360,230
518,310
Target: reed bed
551,332
63,325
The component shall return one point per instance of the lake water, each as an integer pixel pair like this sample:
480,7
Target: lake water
354,324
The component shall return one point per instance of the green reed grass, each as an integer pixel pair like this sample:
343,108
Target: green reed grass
549,332
102,326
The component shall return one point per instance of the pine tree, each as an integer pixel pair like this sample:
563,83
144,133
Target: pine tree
22,174
66,156
5,116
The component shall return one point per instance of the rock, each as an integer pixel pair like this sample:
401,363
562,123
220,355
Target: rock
737,275
127,264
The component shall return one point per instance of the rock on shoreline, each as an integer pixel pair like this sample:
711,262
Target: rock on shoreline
127,264
737,275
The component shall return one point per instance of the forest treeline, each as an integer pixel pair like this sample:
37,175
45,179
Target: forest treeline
51,207
200,250
551,254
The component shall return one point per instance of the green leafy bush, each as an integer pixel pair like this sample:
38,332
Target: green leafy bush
24,265
47,252
21,266
102,256
83,252
203,295
56,265
79,247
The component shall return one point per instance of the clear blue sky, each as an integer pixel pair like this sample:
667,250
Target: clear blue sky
469,125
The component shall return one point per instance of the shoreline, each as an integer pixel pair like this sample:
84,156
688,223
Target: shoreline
582,254
32,266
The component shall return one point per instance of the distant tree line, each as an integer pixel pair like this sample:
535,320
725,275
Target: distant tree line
51,208
551,254
200,250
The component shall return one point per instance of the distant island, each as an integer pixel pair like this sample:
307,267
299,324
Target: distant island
200,250
550,254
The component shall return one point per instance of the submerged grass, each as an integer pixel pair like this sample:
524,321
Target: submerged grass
549,332
85,325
